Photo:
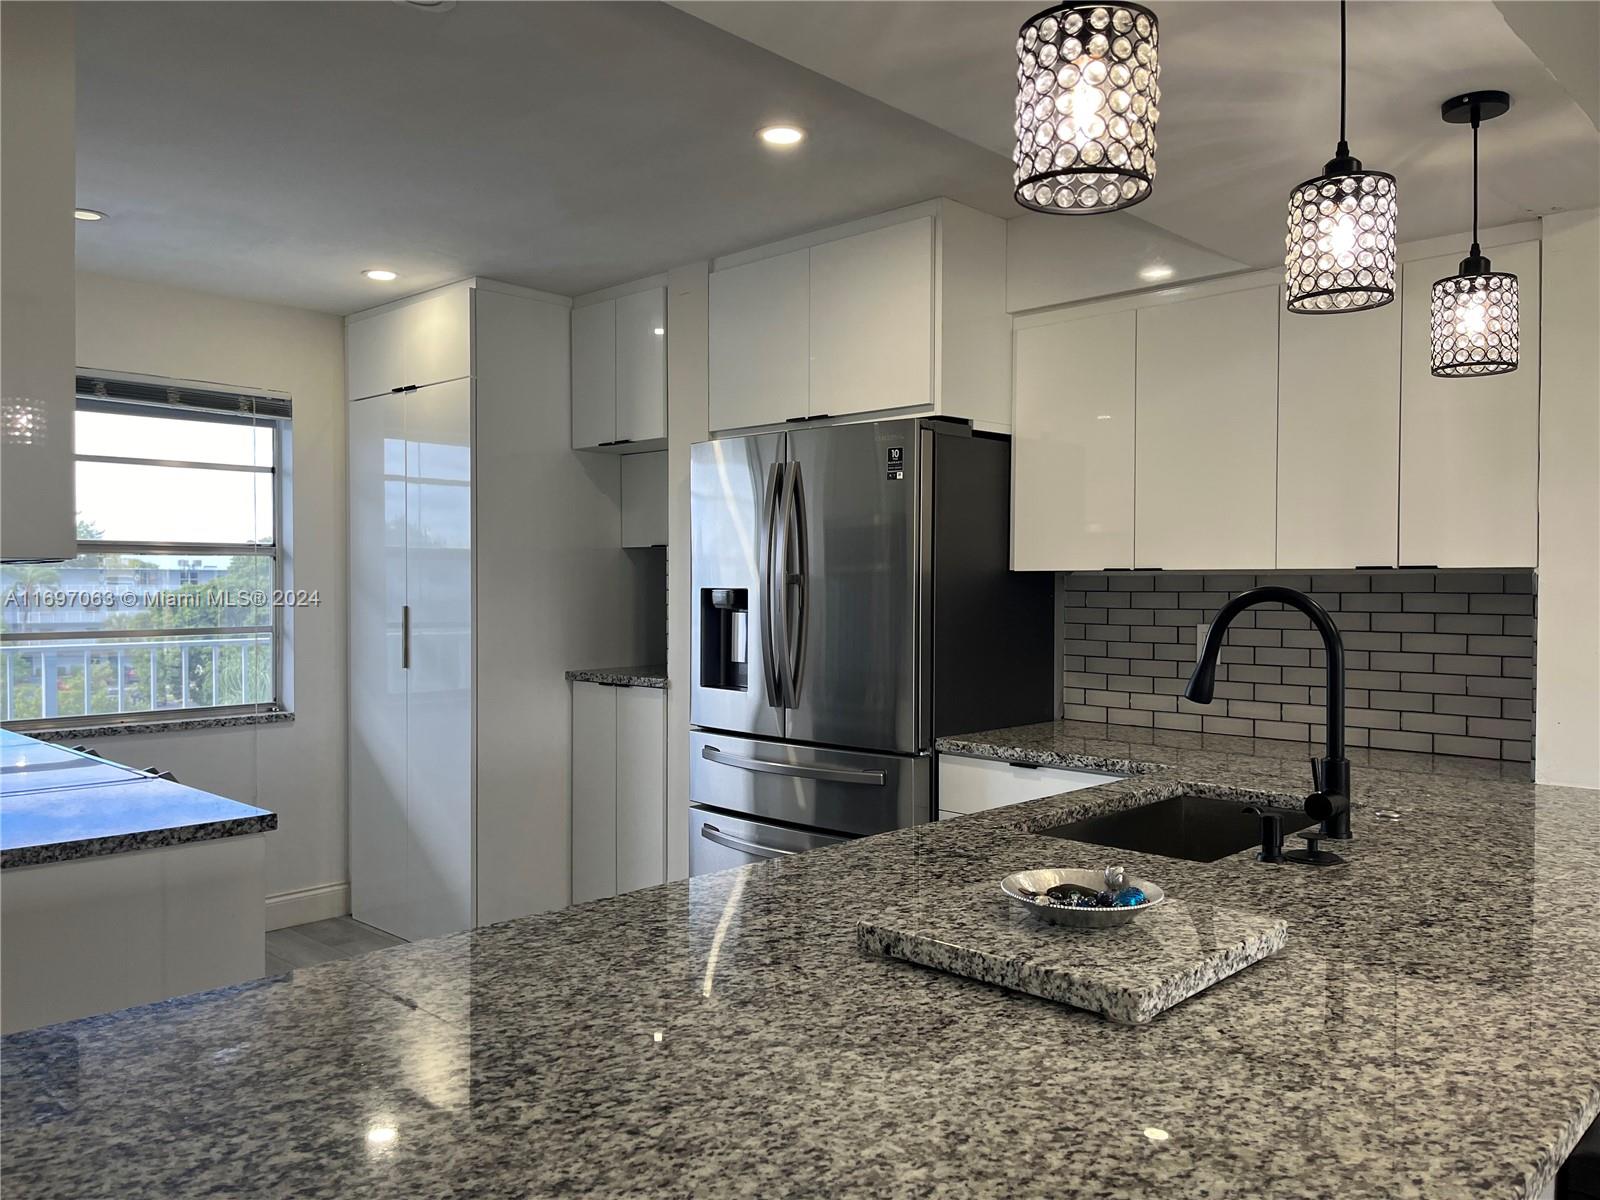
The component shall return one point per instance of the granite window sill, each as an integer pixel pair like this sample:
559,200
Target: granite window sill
80,733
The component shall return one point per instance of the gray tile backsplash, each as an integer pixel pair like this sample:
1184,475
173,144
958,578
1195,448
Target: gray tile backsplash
1436,661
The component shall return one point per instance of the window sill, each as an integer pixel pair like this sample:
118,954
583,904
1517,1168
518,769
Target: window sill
79,733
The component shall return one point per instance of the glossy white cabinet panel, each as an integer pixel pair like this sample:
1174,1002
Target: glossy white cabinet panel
644,499
100,934
374,355
377,713
1072,447
641,334
1206,443
1339,439
439,735
1469,448
37,297
969,785
641,787
594,792
761,341
594,374
872,320
436,336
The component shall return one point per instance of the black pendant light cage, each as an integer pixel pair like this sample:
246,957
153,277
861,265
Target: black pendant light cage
1339,249
1474,321
1088,99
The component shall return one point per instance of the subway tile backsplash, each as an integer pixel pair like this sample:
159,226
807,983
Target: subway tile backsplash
1439,661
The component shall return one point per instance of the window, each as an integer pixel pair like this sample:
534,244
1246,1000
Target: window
172,606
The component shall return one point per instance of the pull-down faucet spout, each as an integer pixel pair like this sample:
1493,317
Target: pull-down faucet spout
1330,775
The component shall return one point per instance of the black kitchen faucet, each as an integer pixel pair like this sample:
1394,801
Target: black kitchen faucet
1330,774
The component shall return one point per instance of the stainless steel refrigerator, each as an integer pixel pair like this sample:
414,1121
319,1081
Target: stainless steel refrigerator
852,603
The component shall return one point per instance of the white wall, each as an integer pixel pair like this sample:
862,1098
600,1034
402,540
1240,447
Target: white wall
1567,687
295,769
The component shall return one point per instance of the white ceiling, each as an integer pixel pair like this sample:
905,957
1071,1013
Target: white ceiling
273,150
1249,101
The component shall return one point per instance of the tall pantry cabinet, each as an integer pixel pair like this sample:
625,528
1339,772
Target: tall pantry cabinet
456,396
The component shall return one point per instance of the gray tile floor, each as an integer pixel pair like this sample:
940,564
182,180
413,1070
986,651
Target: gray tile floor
322,941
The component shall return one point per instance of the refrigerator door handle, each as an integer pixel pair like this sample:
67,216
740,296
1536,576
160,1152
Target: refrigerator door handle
712,834
769,576
795,527
781,577
796,770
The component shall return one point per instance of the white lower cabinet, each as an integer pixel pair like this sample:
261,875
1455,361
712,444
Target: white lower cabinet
619,789
972,785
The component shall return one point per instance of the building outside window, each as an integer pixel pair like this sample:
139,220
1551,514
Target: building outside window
174,605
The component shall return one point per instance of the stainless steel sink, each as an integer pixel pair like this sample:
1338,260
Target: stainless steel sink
1198,828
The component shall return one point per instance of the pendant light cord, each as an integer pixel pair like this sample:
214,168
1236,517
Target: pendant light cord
1475,248
1344,147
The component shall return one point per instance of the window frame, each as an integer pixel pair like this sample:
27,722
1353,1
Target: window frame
274,550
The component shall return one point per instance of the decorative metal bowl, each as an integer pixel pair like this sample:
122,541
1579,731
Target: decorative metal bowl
1031,890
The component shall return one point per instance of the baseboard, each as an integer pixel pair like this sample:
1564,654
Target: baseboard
308,904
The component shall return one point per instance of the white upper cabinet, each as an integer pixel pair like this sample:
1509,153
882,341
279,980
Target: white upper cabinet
761,341
1206,443
872,320
594,375
1339,439
905,314
424,340
642,366
1072,445
1469,448
38,398
619,371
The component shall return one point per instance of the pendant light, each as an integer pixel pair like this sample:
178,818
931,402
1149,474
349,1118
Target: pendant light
1339,252
1087,105
1474,320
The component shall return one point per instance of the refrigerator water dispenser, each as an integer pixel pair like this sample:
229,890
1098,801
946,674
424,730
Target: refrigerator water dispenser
724,640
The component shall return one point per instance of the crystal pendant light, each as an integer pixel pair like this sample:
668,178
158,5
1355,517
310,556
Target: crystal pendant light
1087,97
1339,252
1474,322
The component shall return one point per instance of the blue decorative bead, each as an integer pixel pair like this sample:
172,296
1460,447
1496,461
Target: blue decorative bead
1128,897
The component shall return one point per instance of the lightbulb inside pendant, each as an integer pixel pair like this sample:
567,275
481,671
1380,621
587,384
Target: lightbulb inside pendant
1088,96
1474,318
1339,250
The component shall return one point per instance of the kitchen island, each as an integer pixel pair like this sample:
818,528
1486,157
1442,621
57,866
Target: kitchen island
1432,1028
119,886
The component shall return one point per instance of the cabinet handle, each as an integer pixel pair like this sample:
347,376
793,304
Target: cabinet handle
1418,567
405,637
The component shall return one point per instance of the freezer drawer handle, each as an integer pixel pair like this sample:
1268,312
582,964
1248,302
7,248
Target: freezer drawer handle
712,834
799,771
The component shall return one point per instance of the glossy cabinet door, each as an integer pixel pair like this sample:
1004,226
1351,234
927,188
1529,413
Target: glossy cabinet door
1206,444
641,787
439,732
374,354
594,375
641,367
1469,448
1339,439
1072,445
436,336
377,721
872,320
761,341
594,792
427,339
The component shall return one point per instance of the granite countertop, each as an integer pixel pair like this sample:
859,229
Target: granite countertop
57,805
1431,1030
652,677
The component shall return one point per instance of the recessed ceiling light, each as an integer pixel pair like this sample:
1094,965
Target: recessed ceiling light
659,332
88,214
783,135
1156,272
380,274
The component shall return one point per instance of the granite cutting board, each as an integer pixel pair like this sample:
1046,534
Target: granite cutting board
1128,973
